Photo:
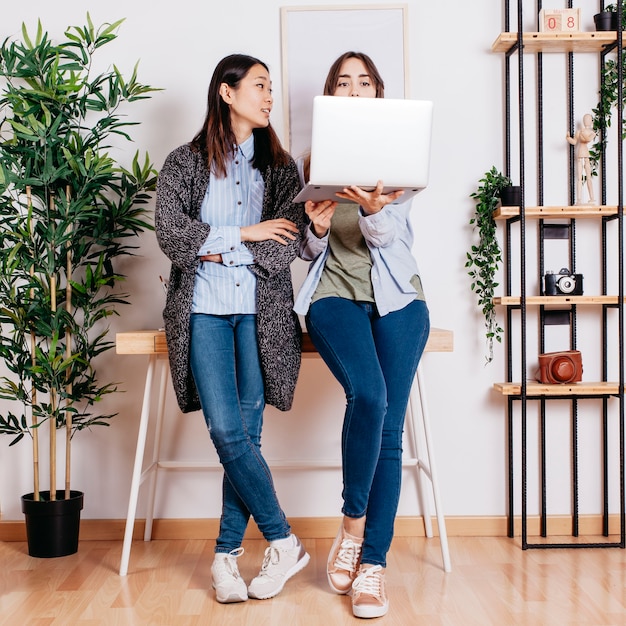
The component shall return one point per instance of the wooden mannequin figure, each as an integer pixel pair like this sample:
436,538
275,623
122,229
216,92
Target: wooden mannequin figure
582,138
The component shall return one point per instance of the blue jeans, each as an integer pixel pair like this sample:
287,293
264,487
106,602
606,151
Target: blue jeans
227,372
374,359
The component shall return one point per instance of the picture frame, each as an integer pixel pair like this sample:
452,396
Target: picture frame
312,37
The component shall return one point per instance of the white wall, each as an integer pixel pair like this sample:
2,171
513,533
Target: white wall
179,44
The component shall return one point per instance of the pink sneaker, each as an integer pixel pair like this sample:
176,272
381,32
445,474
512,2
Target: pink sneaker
369,598
343,561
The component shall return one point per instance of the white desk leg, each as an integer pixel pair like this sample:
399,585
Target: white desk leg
136,479
422,473
156,449
441,522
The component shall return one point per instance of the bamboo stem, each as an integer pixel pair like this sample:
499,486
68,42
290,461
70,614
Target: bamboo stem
33,344
53,395
68,354
53,406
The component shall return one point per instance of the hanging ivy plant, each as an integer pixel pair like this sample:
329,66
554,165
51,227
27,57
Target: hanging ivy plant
607,100
484,257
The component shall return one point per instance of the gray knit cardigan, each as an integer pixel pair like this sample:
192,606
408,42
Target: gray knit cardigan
181,186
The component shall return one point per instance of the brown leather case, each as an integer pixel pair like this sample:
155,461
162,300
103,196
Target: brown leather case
561,367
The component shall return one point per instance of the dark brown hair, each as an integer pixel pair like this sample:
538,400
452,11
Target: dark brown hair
216,138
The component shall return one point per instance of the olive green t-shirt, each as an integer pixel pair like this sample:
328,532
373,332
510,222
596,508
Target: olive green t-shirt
349,264
347,272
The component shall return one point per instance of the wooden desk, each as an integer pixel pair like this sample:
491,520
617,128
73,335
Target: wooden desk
153,344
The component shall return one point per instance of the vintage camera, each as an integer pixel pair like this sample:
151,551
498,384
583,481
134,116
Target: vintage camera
562,284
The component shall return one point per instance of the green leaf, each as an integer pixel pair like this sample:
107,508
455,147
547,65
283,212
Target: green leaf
27,41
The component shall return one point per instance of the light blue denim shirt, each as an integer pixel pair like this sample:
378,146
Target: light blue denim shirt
389,237
237,200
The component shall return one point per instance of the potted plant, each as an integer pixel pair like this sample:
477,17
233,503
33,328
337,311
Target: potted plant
511,195
607,18
484,256
612,9
67,211
604,20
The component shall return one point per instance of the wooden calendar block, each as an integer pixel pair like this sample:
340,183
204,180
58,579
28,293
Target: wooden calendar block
559,20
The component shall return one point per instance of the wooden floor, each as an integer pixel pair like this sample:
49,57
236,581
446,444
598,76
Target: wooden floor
492,581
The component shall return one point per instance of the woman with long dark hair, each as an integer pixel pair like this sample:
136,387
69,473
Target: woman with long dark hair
226,221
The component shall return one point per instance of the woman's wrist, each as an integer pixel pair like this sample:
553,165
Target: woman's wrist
211,258
319,232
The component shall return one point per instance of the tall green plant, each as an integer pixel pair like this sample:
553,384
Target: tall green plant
484,256
68,210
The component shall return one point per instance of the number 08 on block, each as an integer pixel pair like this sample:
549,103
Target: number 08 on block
559,20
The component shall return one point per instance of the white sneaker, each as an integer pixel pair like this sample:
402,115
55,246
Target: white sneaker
227,581
279,565
369,598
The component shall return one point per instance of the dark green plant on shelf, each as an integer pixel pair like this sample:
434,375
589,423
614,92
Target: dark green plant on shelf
484,257
607,99
68,210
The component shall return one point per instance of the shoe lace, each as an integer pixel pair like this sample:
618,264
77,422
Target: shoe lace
347,555
369,581
228,565
272,557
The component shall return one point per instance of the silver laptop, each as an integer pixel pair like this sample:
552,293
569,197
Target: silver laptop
359,141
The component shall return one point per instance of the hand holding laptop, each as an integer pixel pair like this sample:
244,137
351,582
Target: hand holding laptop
371,201
320,214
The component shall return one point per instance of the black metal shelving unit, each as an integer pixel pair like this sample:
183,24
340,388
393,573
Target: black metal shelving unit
608,395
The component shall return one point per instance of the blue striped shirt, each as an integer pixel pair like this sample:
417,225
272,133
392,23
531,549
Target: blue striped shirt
229,287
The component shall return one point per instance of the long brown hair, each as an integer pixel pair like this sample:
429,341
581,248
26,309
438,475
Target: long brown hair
331,84
216,138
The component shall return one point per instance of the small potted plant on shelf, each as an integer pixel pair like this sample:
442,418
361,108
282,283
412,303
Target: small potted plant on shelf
484,257
511,195
607,18
67,211
612,9
604,20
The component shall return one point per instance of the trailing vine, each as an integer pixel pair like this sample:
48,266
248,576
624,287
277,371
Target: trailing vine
484,257
607,100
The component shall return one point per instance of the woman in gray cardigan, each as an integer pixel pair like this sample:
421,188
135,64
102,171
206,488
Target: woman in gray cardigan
225,219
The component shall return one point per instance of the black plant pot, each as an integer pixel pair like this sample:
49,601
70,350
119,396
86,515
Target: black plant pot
511,196
52,527
606,20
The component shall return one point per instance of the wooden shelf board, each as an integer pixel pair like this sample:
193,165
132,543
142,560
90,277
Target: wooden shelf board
556,42
556,212
141,342
574,389
546,300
